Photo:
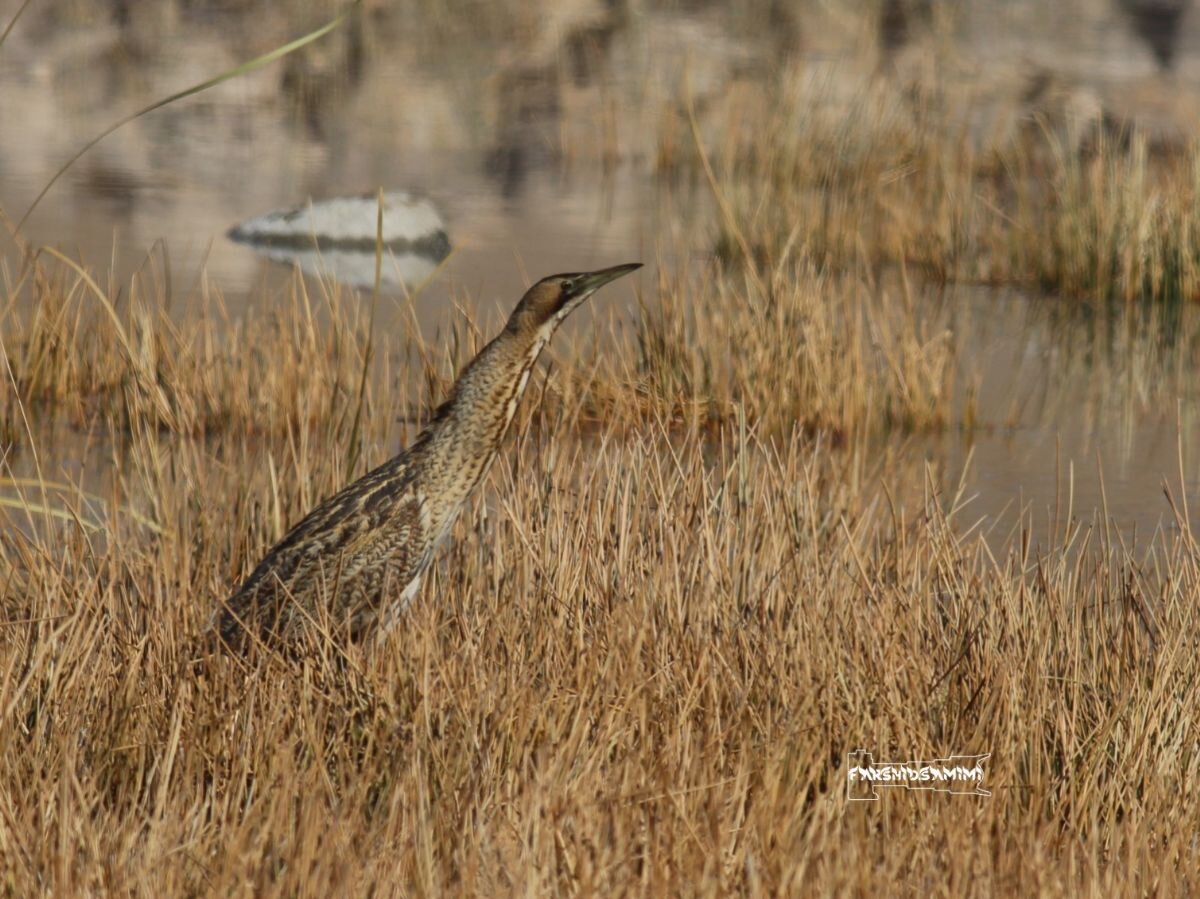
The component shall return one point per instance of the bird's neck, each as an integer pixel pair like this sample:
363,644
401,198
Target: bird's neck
469,427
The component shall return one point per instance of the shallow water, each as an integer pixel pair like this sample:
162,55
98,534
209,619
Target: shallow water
1055,443
535,135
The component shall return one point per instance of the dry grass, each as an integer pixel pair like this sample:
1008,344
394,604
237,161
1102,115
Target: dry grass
689,592
880,176
637,669
801,348
1115,225
861,181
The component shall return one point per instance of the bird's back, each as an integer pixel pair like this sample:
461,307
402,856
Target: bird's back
342,562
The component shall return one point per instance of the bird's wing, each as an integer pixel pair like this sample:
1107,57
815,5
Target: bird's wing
362,525
391,547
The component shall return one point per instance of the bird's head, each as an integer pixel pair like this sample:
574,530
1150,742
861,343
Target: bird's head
552,299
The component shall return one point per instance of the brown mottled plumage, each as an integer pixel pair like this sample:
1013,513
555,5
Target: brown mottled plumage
359,556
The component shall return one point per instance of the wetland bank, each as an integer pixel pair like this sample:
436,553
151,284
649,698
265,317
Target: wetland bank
892,449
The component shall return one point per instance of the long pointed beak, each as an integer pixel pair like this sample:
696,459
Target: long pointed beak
590,282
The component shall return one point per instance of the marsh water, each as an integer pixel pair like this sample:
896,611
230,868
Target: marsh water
534,129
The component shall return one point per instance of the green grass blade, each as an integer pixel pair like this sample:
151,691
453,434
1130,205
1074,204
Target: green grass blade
256,63
30,509
355,435
13,21
69,490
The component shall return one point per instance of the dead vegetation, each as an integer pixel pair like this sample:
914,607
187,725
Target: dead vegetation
692,588
639,666
876,176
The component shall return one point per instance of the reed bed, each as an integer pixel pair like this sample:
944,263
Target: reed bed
869,175
638,668
793,347
830,353
1117,225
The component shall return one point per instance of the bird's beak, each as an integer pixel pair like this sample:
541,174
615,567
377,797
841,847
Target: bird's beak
582,285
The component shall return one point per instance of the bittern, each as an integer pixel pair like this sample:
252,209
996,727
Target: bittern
357,559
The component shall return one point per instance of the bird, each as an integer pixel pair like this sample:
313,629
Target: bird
357,559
